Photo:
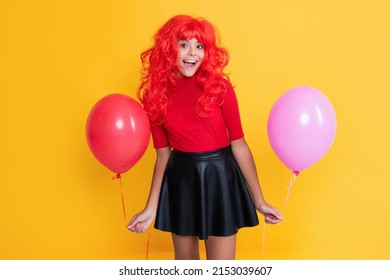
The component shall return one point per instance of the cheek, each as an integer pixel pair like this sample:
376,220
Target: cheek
179,58
201,56
179,54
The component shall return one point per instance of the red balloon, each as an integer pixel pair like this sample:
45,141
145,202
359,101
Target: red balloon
118,132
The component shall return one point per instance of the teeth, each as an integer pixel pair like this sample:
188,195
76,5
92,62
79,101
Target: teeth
190,61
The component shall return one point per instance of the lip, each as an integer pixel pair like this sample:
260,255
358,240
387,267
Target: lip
190,62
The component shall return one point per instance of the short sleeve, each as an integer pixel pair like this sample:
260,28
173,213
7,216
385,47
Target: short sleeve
231,113
160,137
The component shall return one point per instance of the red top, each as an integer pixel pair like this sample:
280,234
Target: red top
186,131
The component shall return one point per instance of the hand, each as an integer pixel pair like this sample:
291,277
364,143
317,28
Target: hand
271,214
141,221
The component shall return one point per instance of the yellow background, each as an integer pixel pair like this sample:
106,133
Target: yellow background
58,58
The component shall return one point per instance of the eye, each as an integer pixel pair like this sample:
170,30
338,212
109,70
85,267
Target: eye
183,45
200,46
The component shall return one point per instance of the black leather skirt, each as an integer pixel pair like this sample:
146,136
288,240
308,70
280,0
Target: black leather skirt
204,194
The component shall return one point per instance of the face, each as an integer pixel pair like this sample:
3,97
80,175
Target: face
189,56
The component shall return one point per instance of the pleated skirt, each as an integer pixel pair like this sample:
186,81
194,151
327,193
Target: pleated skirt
204,194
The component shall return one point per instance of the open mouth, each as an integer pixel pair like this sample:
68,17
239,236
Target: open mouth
190,63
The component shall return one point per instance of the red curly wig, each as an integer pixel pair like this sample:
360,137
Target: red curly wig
159,69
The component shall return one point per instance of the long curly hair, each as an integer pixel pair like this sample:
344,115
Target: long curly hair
159,73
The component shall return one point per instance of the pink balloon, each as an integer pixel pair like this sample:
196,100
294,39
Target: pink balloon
301,127
118,132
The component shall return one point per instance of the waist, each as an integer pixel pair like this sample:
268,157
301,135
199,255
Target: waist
203,155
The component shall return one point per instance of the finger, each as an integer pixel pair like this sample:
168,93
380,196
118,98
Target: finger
276,213
131,227
271,222
270,219
279,215
138,228
133,221
134,227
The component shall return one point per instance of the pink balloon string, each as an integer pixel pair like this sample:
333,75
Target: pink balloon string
263,241
119,177
292,181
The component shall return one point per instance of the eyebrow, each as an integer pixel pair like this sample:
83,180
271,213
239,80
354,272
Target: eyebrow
187,40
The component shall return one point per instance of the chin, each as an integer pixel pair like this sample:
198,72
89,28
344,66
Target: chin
188,74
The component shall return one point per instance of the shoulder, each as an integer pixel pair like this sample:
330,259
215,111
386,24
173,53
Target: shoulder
227,82
229,86
229,89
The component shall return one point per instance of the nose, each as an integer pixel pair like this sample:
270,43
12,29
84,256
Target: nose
192,51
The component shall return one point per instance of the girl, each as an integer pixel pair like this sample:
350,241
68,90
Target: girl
205,183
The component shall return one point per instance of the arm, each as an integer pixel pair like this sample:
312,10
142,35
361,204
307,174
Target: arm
245,160
141,221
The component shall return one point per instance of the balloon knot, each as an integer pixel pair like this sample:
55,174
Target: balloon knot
296,173
117,176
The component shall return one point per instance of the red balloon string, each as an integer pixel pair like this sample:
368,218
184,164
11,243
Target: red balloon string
123,202
119,177
147,247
